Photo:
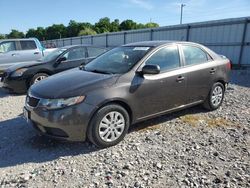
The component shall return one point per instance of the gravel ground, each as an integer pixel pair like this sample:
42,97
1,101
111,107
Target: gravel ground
190,148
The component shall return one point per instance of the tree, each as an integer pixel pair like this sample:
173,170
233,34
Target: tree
115,26
87,31
56,31
72,29
15,34
103,26
151,25
128,25
2,36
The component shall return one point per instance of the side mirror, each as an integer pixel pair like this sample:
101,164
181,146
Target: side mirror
151,69
61,59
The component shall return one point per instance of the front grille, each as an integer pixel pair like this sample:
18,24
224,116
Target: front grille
32,101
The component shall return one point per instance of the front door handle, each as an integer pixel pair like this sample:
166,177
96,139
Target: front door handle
36,53
212,70
180,78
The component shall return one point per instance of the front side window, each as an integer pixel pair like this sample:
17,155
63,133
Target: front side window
194,55
93,52
53,55
28,45
7,46
74,54
118,60
167,58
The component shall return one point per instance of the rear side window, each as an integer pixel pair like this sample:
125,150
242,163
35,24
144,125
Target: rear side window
93,52
194,55
167,58
7,46
28,45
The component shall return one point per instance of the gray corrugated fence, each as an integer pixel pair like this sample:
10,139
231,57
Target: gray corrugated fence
230,37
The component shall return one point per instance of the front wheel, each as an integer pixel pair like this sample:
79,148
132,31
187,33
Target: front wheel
38,77
108,126
215,97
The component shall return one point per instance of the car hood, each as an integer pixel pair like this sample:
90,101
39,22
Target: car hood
20,65
74,82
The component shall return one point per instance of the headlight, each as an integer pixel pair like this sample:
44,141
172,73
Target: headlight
51,104
18,72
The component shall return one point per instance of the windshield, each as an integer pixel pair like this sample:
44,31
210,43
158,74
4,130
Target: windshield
53,55
117,61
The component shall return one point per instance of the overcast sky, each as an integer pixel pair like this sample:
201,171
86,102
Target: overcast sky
25,14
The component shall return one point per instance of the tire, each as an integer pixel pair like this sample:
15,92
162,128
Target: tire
38,77
116,128
215,97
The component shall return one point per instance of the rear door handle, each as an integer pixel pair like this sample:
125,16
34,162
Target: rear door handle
180,78
212,70
14,54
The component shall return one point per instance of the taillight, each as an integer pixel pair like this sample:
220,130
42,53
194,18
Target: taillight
229,65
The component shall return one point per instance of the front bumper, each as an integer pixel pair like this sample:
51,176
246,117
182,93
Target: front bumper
65,124
16,85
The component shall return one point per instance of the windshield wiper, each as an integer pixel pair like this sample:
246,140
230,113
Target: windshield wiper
100,71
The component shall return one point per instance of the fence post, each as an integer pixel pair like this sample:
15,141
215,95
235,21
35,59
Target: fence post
151,34
63,42
81,39
188,30
71,42
91,39
243,41
124,37
106,40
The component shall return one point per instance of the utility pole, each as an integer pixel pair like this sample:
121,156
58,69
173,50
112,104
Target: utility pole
182,5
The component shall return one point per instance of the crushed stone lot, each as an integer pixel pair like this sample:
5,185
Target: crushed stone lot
190,148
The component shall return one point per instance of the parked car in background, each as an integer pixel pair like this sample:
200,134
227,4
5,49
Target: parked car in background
49,45
18,78
126,85
13,51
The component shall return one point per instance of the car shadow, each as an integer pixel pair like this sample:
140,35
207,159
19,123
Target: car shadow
6,93
167,117
19,143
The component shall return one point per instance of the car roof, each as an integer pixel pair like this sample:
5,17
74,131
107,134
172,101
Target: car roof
84,45
157,43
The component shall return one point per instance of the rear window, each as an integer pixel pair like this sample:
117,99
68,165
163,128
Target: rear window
28,45
7,46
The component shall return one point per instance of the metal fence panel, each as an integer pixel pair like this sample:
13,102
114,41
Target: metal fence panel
246,56
76,40
179,34
116,40
99,40
223,36
137,36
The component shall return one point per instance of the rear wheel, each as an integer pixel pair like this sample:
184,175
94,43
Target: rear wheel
215,97
38,77
108,126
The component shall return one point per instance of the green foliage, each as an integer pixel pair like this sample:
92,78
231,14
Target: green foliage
2,36
73,29
14,34
151,25
87,31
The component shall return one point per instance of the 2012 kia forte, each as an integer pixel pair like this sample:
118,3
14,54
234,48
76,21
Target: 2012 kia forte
124,86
